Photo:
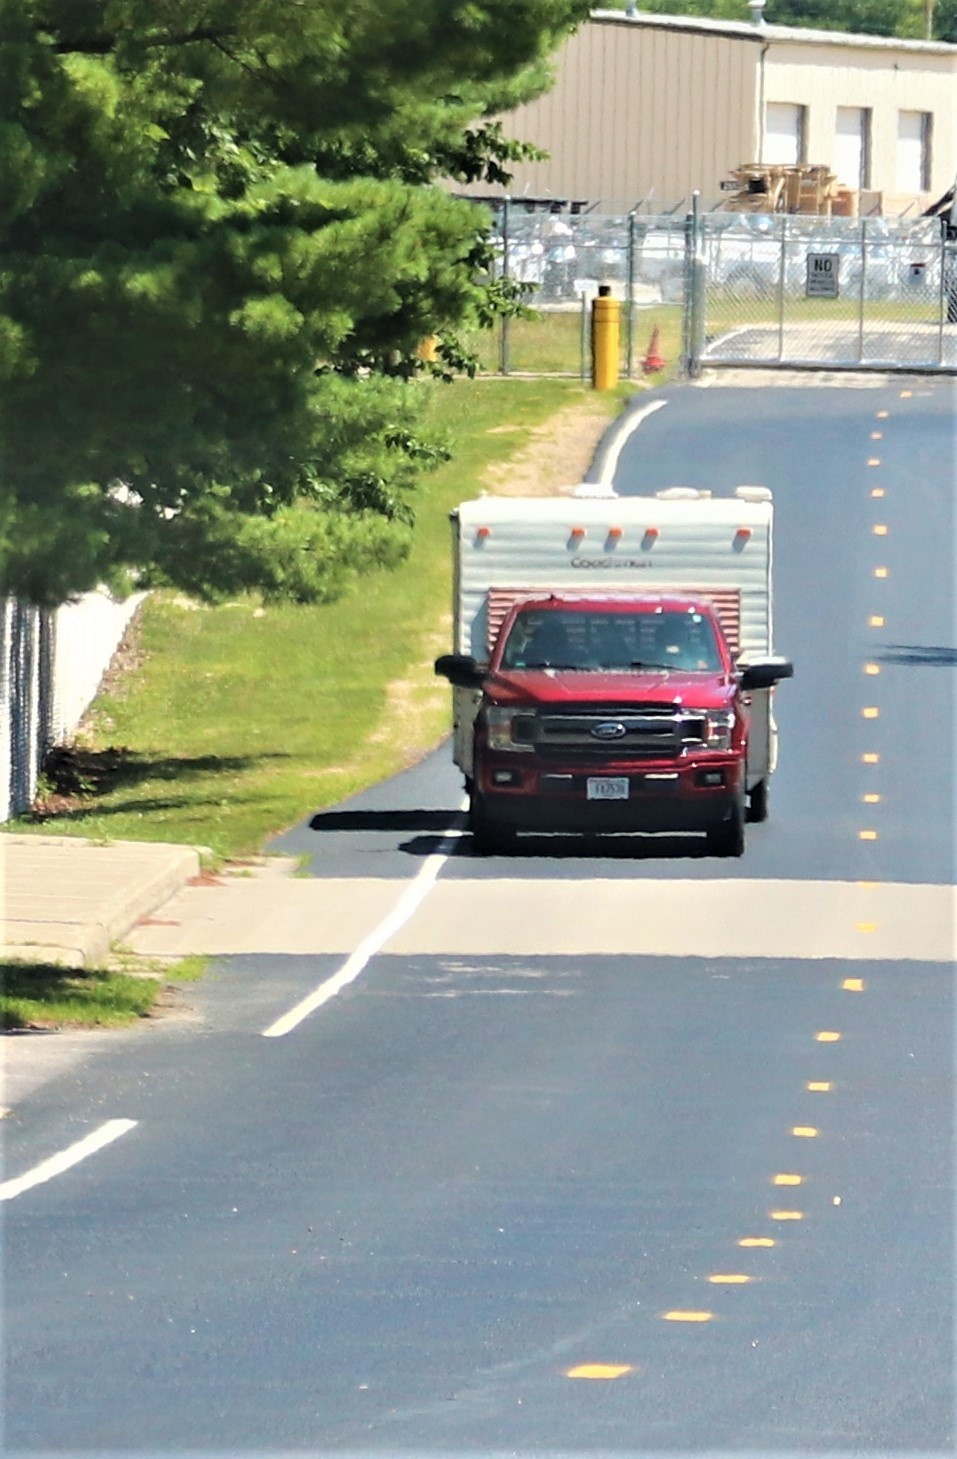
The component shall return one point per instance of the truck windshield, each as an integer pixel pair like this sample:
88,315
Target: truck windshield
570,639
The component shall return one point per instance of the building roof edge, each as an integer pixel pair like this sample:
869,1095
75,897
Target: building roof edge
775,34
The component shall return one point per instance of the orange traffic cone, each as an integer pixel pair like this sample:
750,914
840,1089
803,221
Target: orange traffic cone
653,359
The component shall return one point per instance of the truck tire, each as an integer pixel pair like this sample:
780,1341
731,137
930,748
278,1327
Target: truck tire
488,839
728,838
758,802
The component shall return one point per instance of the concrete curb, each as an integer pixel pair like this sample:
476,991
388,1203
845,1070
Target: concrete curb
66,902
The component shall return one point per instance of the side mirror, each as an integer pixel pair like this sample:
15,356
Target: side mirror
764,673
461,670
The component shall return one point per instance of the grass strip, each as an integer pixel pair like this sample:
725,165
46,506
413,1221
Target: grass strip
36,995
232,723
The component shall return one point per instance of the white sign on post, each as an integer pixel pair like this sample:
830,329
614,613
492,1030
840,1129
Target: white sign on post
822,275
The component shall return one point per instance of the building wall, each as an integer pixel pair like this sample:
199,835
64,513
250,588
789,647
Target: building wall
646,109
641,113
886,79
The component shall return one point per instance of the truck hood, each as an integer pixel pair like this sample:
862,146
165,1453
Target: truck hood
545,687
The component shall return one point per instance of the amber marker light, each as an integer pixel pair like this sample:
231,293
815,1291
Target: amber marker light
614,534
742,534
483,532
577,533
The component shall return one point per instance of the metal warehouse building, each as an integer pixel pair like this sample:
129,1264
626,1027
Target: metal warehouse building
648,108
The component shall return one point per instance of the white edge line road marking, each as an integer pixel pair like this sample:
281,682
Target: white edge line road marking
409,903
73,1154
610,465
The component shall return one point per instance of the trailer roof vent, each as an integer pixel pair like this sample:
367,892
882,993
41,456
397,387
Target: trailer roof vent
753,493
682,494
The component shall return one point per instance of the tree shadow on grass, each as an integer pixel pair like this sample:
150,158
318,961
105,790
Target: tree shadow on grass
76,781
38,997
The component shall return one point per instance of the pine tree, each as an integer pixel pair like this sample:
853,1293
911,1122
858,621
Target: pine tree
220,248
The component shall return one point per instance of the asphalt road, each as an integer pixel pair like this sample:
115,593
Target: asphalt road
563,1194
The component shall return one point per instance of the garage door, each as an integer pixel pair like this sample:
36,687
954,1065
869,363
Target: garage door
783,133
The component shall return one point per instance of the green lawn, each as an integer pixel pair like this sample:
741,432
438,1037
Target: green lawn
240,720
551,343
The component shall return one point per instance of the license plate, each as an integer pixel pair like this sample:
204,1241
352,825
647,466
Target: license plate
606,787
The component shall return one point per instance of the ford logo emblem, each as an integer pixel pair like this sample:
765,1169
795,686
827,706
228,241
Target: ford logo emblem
609,729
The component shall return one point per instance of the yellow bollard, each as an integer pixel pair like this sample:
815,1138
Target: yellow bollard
605,329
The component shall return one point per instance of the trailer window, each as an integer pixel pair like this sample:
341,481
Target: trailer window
615,642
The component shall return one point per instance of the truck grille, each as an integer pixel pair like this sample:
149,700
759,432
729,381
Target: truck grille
607,732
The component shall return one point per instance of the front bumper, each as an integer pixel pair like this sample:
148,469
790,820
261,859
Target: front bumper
697,795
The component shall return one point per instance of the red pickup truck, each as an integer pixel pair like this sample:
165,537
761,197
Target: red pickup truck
612,713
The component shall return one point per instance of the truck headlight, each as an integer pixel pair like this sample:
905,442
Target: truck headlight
508,730
718,729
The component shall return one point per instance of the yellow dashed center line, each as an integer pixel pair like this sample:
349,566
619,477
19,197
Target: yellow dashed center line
678,1315
879,529
872,669
757,1241
729,1279
867,836
881,572
871,711
875,621
870,757
867,926
599,1370
853,985
787,1179
805,1132
906,394
877,435
827,1036
787,1215
882,415
874,461
878,491
872,798
819,1086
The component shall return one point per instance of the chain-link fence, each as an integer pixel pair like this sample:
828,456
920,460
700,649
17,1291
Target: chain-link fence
728,289
51,664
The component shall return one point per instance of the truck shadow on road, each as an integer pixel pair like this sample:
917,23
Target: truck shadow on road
394,820
932,655
564,848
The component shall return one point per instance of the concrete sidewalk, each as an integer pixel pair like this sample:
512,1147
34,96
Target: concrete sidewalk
66,901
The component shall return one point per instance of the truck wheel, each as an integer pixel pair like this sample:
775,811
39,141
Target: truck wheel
728,838
758,802
487,837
